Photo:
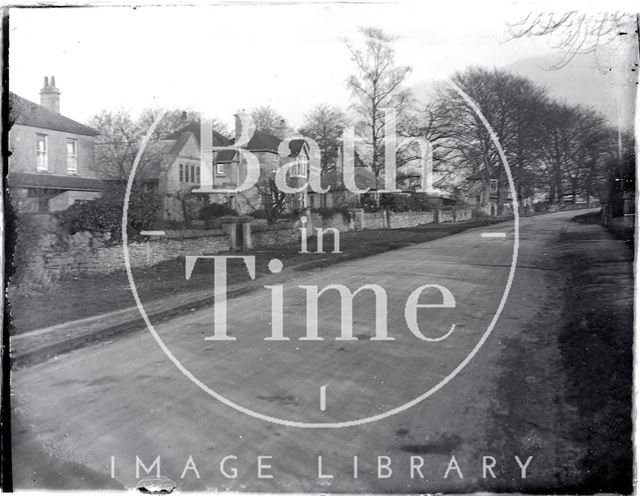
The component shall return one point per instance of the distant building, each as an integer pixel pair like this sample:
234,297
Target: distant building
482,192
52,156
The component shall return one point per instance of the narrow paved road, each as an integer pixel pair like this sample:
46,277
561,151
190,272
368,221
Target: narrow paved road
125,398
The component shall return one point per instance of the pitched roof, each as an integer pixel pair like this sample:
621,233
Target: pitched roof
28,113
261,142
194,127
43,180
157,154
163,152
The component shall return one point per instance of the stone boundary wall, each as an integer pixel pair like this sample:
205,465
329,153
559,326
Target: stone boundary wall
374,220
264,236
445,215
463,214
336,221
83,254
398,220
53,255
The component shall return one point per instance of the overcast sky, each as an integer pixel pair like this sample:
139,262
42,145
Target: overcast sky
222,58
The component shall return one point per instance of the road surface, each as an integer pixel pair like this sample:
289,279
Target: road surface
81,420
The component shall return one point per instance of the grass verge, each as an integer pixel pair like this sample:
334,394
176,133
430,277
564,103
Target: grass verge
596,343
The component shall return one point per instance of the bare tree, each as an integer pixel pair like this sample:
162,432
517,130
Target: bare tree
577,147
117,143
267,198
174,121
577,32
325,124
512,105
121,135
376,87
266,118
428,124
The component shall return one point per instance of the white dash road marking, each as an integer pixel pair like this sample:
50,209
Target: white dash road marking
323,398
494,235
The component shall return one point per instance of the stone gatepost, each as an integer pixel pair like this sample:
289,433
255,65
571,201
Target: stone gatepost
229,223
358,219
310,230
247,242
385,222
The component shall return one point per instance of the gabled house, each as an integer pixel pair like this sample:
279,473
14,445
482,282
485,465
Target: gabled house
52,156
482,192
172,170
230,170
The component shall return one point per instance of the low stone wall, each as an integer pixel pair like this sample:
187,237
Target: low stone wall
47,254
374,220
463,214
398,220
264,236
445,215
336,221
92,258
51,255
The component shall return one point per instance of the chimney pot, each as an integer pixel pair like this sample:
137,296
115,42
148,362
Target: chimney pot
238,125
281,130
50,95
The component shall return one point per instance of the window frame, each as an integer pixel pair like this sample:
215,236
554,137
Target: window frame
493,185
218,167
72,160
42,153
181,173
300,168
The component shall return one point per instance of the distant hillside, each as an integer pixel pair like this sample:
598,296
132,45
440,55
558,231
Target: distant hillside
585,80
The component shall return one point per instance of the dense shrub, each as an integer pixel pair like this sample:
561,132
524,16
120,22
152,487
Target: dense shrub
414,202
327,213
394,203
215,210
104,214
369,204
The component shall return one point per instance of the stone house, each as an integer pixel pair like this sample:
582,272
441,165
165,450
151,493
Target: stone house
230,170
482,192
52,156
172,169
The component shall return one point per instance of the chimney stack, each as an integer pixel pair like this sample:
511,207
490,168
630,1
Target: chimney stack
281,130
240,117
50,95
